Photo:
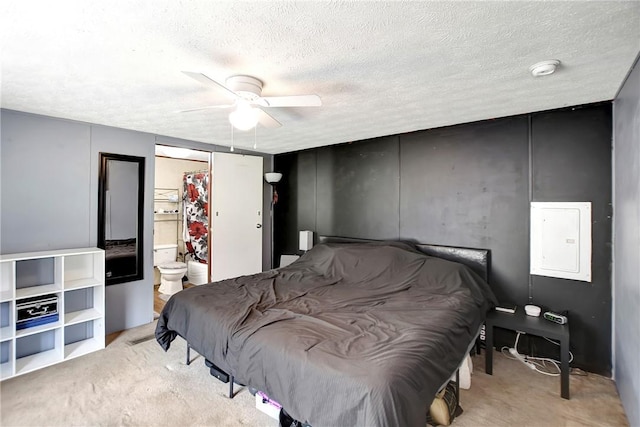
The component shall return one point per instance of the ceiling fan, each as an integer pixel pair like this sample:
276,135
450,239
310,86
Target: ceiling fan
246,93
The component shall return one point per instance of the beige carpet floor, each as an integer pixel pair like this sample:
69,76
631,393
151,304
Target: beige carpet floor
133,382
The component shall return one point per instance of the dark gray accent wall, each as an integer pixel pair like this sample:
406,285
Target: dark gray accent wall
572,163
358,189
296,206
470,185
626,295
467,186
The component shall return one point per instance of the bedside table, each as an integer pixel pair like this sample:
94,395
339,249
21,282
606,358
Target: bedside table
520,322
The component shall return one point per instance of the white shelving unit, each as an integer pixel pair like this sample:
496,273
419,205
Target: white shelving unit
166,201
77,277
167,209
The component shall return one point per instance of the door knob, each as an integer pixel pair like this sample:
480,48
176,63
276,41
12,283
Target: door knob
258,225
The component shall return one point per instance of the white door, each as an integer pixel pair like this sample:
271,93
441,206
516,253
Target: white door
236,217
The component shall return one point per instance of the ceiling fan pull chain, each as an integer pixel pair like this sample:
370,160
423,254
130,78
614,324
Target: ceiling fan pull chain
231,149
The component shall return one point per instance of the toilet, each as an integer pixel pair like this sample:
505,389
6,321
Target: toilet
171,271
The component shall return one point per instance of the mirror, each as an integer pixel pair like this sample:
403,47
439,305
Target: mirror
120,216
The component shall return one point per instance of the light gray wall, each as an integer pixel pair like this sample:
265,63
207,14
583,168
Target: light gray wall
45,184
626,286
49,195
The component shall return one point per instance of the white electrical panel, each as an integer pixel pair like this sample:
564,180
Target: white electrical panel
561,240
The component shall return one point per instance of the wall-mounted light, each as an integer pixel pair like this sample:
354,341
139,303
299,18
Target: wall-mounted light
306,240
273,178
244,117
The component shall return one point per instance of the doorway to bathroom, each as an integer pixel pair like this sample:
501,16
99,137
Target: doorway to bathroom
181,218
208,217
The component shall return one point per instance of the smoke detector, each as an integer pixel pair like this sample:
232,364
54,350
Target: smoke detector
544,68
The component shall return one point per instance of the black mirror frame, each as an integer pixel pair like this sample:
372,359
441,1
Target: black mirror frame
102,180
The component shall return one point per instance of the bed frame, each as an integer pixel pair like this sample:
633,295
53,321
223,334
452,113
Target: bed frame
477,260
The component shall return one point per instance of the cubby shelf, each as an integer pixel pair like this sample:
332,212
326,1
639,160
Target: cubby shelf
81,348
6,333
38,361
34,291
81,316
81,283
76,277
37,329
6,370
6,296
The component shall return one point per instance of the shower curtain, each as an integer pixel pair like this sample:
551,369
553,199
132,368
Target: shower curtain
195,199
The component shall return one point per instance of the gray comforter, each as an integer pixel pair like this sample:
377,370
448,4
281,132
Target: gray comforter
348,335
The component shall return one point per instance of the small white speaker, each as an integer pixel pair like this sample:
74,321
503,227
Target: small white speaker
532,310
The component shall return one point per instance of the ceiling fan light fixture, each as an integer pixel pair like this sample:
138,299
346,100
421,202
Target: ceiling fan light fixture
244,117
246,91
247,87
544,68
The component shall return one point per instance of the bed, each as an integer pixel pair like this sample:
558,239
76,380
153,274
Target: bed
359,333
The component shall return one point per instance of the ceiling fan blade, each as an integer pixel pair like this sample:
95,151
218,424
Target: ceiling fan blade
209,107
266,120
210,82
293,101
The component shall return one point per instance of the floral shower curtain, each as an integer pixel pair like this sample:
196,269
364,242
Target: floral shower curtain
195,199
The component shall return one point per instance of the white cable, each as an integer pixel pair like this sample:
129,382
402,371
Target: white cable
558,344
515,346
538,364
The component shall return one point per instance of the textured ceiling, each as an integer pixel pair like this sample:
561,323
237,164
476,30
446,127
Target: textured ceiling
380,68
